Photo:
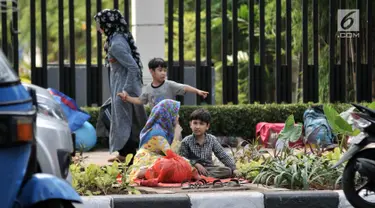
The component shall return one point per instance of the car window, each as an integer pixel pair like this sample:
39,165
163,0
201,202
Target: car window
7,74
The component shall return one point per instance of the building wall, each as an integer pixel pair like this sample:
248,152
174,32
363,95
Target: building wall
148,31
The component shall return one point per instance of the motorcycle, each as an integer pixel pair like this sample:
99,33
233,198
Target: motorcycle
21,184
361,159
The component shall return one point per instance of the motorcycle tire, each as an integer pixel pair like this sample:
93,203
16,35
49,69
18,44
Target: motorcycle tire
57,203
348,181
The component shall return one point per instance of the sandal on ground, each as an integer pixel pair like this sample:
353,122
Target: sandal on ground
118,158
185,184
201,184
233,183
217,184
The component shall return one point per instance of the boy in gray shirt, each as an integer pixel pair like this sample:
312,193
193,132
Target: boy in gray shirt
160,88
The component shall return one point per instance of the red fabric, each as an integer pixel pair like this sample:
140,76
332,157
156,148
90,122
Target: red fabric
151,183
64,99
169,169
178,185
263,130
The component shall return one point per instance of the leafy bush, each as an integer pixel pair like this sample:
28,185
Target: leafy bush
291,169
294,170
238,120
337,123
96,180
291,131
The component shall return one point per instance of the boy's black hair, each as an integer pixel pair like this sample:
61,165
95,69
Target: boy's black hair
157,62
201,114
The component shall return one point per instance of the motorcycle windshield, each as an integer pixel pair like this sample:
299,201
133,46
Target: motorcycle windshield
14,96
7,74
13,161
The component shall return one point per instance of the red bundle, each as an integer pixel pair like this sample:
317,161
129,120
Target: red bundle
170,169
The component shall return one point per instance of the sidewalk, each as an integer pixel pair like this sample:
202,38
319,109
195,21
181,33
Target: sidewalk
252,196
100,156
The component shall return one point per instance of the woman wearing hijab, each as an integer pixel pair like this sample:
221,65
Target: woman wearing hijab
160,134
125,75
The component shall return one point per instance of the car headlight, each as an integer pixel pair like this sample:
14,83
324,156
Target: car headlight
50,108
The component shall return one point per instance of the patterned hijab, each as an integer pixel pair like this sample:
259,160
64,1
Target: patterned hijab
112,21
161,121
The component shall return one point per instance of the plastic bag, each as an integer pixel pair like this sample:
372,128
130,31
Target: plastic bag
76,117
347,115
170,169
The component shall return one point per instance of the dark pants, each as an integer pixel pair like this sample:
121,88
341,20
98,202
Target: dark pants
129,148
219,172
139,120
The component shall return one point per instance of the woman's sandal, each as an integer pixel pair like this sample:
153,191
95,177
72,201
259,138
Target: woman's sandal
118,158
185,184
202,183
217,184
233,183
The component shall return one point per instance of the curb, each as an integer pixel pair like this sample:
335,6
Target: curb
156,200
343,203
227,200
241,199
303,199
96,202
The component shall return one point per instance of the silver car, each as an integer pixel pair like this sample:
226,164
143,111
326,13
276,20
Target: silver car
55,143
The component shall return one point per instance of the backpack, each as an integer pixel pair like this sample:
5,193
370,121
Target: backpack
317,129
75,116
103,123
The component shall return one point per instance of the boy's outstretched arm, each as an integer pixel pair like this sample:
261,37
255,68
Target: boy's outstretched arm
127,98
134,100
201,93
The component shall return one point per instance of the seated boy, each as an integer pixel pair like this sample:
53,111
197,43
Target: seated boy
199,146
160,88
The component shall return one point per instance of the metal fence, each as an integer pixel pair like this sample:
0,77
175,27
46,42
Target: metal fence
67,72
338,64
9,27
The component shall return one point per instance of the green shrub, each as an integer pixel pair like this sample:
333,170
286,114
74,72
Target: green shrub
102,180
237,120
300,171
292,169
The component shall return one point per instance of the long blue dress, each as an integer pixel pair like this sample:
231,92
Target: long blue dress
124,76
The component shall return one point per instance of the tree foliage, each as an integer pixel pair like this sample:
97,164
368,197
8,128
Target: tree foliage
190,38
52,26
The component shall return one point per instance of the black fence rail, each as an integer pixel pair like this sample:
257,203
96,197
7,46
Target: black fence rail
338,49
9,30
361,63
67,71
